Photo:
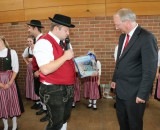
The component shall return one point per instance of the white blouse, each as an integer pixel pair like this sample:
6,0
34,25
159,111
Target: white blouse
14,58
26,54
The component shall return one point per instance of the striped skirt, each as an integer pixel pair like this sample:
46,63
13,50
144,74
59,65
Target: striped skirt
9,104
30,92
91,89
77,90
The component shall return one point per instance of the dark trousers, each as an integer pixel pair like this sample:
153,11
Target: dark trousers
130,114
37,84
58,99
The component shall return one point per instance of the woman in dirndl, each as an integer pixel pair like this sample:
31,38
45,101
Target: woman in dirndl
92,85
27,57
9,67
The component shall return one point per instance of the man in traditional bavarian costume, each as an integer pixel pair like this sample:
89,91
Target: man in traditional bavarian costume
57,72
35,29
9,67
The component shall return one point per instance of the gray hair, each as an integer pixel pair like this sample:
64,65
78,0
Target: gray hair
126,14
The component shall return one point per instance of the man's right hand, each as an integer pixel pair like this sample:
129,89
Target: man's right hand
68,54
113,85
36,74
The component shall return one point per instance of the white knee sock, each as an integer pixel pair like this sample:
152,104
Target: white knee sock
43,106
5,122
73,104
14,123
90,101
64,127
94,103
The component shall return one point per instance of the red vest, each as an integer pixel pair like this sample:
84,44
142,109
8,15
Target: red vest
65,74
34,62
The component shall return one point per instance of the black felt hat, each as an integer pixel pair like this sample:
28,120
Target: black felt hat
62,20
35,23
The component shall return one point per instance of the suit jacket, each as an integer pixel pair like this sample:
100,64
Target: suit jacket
136,68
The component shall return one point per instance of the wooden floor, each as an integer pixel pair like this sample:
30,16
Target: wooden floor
87,119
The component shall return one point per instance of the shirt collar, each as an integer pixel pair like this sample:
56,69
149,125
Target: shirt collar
55,37
38,36
132,31
4,49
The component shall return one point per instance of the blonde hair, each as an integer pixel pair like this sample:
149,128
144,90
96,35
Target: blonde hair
3,39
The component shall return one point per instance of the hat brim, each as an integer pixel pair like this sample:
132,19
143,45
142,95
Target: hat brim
61,23
35,25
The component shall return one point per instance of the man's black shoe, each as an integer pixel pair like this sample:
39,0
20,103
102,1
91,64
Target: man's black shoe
45,118
115,105
36,106
40,112
39,106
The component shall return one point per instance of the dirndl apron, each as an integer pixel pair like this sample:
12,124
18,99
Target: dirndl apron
30,92
9,103
91,88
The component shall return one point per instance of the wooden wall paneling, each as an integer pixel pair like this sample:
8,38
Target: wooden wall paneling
50,3
73,11
7,5
128,1
12,16
140,8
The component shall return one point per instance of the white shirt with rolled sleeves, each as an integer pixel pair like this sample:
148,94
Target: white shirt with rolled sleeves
43,51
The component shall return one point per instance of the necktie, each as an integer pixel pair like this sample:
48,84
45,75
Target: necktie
126,42
61,44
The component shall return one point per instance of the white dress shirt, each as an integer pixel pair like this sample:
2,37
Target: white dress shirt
130,35
43,50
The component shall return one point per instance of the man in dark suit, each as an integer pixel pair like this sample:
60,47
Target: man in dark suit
135,70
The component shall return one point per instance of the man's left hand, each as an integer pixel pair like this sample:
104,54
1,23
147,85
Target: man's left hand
138,100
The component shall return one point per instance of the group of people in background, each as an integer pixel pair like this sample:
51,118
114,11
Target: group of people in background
52,81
